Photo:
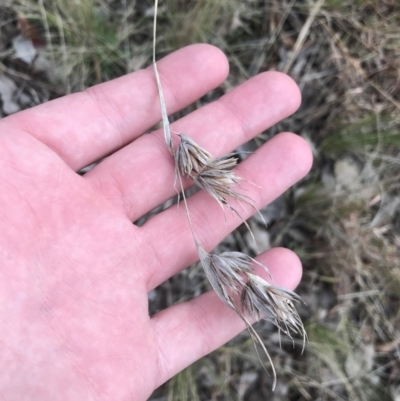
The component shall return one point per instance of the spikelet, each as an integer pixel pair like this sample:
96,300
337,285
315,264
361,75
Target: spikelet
233,273
226,272
191,158
218,179
275,304
215,176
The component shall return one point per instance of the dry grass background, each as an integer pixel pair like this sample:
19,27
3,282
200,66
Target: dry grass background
343,220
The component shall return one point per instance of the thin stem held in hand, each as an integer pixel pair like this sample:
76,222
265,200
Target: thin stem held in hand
164,114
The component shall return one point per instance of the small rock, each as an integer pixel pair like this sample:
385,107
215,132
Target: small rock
262,239
8,90
274,211
347,173
246,380
24,49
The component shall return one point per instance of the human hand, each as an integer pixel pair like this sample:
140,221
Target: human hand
75,271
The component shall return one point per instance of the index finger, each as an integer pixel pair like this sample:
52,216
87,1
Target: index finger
86,126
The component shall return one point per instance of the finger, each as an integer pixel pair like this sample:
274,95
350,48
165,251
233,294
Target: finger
140,176
188,331
275,167
86,126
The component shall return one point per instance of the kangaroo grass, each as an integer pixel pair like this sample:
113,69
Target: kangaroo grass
215,176
231,274
191,158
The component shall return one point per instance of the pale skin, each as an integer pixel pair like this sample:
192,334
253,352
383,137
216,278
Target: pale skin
75,271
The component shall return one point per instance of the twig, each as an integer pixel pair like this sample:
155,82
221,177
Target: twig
302,36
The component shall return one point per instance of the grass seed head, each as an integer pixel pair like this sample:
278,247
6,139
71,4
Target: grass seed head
228,269
276,304
217,179
190,157
233,273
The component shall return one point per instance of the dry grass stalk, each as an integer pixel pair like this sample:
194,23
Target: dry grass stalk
230,273
164,114
303,35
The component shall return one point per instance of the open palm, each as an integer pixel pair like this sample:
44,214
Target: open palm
75,271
